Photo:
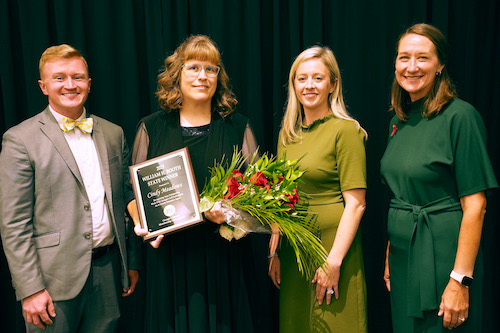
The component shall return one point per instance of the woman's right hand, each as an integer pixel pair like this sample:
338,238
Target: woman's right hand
275,271
387,274
274,260
142,232
134,214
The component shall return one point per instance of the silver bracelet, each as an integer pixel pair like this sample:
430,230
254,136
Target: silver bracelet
272,255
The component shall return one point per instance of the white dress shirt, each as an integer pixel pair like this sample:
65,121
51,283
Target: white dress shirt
86,157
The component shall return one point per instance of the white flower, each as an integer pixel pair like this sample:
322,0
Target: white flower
226,232
238,233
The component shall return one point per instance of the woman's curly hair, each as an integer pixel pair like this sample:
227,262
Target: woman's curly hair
200,48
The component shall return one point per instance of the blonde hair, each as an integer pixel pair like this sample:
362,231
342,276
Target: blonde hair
293,114
442,90
200,48
57,52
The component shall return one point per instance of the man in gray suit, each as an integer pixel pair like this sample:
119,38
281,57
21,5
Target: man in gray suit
63,189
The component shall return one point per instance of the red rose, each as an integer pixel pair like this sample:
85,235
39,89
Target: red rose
238,174
233,188
292,206
258,179
293,198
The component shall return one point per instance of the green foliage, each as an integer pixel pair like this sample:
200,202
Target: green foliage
267,190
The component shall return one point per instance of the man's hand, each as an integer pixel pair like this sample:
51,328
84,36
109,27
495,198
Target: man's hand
134,279
38,309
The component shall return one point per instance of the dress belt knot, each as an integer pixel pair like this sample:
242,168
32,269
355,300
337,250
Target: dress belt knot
416,210
421,283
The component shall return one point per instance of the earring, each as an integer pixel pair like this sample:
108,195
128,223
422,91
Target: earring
438,73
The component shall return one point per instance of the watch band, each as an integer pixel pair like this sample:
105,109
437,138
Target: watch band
464,280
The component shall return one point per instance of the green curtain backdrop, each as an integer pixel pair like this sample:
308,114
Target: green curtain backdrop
126,41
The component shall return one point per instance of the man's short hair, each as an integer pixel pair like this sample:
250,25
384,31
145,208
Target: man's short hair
57,52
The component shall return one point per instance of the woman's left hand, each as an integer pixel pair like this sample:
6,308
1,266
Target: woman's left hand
215,214
387,271
327,279
454,307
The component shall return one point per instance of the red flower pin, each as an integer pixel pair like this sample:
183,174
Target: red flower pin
394,129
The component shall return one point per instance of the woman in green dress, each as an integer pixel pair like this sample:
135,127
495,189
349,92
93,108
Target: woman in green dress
331,146
196,281
437,169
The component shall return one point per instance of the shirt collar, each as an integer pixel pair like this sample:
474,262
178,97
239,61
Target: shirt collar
59,117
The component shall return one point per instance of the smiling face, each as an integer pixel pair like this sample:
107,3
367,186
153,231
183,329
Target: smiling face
67,84
313,85
197,87
416,65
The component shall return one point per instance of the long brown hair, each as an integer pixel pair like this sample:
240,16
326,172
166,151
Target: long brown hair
200,48
442,90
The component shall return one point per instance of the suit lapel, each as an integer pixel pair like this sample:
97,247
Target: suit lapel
50,127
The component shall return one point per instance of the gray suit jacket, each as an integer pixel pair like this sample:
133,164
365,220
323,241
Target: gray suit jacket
46,222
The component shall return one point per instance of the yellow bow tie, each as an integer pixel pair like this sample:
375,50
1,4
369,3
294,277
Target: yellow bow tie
85,124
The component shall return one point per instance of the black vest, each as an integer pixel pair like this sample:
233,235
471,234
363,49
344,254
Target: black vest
165,135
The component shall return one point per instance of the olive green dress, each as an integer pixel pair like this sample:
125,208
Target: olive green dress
429,165
333,153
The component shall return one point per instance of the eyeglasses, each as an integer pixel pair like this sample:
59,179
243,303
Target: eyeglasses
195,69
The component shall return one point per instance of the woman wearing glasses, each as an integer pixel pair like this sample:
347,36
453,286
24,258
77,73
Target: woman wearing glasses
196,281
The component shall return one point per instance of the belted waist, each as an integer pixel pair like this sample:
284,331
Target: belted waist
101,251
421,283
325,198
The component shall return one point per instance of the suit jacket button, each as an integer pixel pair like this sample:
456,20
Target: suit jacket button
86,207
88,235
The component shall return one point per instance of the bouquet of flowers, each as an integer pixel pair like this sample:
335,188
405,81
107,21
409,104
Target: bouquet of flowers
262,198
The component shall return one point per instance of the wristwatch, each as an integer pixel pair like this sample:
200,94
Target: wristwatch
463,279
